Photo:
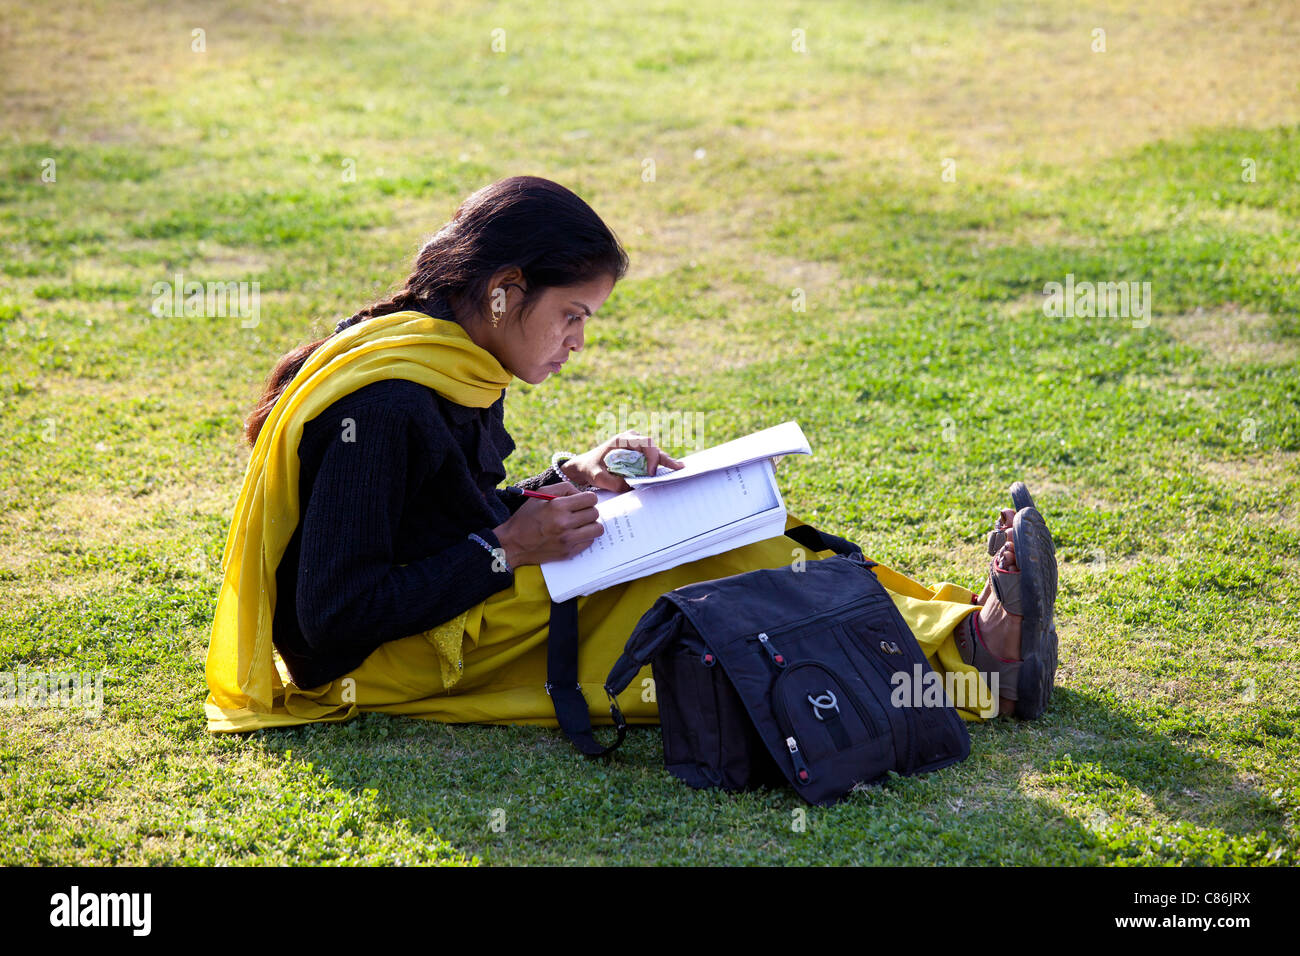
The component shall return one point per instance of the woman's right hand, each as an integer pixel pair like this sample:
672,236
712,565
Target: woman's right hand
542,530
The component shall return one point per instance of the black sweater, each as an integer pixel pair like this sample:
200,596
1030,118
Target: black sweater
393,479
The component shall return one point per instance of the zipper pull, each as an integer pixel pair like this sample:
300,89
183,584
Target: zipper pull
777,657
800,768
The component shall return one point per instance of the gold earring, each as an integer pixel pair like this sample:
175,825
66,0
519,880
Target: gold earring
496,316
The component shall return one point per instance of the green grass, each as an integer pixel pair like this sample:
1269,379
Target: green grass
923,370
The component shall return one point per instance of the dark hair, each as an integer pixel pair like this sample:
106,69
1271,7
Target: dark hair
550,234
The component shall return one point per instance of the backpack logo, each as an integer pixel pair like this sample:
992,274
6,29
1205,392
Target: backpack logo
826,701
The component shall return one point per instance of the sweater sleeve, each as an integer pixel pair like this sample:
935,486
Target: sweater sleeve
351,595
513,499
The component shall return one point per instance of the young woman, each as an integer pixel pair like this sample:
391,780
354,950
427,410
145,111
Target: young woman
374,563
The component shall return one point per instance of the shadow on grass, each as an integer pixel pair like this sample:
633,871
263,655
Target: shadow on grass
1085,785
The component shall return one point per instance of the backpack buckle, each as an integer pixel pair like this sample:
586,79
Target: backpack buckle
549,687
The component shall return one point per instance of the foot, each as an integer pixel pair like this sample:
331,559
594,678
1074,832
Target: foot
996,627
995,631
998,536
999,629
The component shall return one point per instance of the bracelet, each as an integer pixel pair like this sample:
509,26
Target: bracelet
558,459
497,553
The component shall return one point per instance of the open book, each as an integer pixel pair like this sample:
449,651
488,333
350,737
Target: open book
722,498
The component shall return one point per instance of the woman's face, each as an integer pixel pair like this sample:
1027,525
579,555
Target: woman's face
554,327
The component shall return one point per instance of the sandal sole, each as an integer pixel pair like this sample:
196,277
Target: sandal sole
1021,498
1036,556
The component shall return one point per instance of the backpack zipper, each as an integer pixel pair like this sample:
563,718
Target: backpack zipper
843,609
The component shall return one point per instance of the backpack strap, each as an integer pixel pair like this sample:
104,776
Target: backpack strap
562,683
814,540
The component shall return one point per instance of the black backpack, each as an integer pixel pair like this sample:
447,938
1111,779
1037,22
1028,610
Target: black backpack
781,674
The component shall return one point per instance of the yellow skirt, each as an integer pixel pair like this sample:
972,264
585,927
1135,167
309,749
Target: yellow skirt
499,678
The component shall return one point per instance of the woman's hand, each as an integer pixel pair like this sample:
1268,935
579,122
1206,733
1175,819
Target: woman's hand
589,468
542,530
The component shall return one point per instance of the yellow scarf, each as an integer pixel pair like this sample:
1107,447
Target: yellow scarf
241,671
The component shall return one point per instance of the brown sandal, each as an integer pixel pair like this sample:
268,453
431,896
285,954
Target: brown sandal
1028,593
1003,587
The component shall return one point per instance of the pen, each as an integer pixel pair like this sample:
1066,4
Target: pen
537,494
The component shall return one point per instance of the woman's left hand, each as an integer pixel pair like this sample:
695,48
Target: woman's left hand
589,467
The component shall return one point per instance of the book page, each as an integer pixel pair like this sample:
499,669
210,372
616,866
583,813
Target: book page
770,526
653,519
786,438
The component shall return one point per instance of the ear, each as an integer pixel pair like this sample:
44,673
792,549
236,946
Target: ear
510,275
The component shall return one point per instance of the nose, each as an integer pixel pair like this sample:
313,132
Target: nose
574,343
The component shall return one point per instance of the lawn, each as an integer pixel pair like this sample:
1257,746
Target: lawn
843,213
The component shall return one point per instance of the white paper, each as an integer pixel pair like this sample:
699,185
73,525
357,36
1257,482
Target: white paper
784,439
656,527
